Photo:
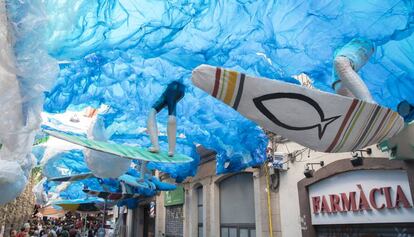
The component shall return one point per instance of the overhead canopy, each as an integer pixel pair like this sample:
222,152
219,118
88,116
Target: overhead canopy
124,53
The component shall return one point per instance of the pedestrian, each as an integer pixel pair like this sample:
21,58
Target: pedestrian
65,232
73,232
53,232
22,233
101,232
36,231
13,233
45,232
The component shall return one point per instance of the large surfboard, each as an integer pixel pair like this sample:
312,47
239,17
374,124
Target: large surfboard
72,178
123,151
127,179
321,121
81,205
110,195
401,146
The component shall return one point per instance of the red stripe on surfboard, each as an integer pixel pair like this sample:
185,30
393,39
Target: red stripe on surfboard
348,115
217,82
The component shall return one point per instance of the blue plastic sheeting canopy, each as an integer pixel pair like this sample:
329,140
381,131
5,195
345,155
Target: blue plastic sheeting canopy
123,53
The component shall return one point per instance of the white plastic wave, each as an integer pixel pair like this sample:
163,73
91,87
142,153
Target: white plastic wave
13,153
102,164
22,83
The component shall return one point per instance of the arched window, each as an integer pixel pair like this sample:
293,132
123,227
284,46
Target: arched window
237,214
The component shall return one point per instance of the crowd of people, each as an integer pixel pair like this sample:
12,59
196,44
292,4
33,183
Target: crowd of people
62,227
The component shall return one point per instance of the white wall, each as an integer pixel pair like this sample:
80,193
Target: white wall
288,190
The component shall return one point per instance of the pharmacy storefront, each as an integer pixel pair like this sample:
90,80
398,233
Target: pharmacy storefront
373,199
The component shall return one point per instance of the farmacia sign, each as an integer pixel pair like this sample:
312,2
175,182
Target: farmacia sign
363,196
361,200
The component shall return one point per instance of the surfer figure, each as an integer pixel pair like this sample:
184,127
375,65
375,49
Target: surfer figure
169,98
173,93
348,60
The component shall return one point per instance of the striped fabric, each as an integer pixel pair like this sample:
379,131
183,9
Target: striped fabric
110,195
376,126
228,87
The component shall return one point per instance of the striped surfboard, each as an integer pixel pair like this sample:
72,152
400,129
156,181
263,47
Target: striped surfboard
71,178
319,120
110,195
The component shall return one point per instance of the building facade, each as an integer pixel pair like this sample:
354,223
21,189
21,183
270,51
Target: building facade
221,205
262,202
295,191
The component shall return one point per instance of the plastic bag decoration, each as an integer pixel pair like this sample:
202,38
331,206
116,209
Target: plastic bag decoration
116,55
67,163
102,164
113,54
24,77
12,180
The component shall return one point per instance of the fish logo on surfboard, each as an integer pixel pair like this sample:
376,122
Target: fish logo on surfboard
301,114
321,126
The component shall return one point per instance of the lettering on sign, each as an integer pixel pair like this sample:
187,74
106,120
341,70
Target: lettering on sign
362,196
360,200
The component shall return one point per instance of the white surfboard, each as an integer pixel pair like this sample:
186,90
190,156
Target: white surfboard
321,121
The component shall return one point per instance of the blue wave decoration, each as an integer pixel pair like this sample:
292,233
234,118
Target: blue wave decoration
123,53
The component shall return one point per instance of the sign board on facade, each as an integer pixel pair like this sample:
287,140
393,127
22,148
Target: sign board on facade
174,197
362,196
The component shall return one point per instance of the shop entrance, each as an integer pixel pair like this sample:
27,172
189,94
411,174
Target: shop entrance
346,200
367,230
